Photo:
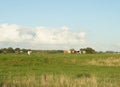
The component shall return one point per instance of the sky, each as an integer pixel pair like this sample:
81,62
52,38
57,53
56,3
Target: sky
60,24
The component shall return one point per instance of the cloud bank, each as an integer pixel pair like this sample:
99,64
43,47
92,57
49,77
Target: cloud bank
13,33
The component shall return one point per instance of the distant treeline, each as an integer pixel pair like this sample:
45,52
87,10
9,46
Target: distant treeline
87,50
19,51
12,50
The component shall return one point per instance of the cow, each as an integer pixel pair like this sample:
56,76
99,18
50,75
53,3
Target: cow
65,51
29,52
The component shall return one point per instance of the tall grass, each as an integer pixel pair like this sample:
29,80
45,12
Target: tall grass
50,81
57,81
111,61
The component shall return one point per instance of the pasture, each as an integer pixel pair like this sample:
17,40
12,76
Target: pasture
60,70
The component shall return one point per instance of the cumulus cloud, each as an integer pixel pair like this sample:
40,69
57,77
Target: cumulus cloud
14,33
9,32
58,36
40,35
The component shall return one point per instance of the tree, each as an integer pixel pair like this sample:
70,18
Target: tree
0,50
10,50
17,50
88,50
24,50
4,50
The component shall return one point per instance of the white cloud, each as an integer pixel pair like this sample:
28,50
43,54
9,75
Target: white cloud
9,33
61,36
41,35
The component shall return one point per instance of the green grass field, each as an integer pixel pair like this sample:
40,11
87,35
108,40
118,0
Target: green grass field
60,70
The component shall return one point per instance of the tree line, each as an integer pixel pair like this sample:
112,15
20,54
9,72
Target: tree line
12,50
87,50
19,51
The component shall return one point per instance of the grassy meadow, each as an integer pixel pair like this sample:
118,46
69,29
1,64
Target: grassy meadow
60,70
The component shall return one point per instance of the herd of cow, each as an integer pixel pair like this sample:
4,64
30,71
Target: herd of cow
65,52
74,52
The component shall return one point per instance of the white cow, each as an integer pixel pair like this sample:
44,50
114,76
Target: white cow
29,52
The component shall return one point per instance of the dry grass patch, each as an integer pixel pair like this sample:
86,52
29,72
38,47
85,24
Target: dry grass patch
50,81
64,81
58,81
105,62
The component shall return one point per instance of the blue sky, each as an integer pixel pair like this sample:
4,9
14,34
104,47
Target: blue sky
97,20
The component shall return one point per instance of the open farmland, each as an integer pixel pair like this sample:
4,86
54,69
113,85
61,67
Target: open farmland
60,70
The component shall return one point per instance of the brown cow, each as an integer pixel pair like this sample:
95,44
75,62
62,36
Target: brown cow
65,51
